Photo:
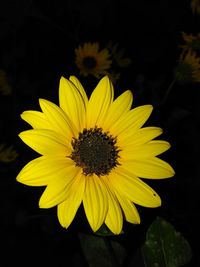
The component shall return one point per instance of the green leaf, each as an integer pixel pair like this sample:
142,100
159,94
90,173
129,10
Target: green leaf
164,246
101,251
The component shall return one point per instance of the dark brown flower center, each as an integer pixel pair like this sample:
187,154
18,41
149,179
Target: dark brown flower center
89,62
95,152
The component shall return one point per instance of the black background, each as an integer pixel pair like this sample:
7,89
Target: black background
37,42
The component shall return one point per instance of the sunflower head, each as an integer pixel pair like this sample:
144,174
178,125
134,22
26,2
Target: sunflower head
117,54
191,41
195,6
7,153
90,60
94,151
188,67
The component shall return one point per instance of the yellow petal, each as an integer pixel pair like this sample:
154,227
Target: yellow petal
46,142
42,170
141,136
58,119
36,119
152,168
133,188
118,108
79,86
95,201
67,209
150,149
99,103
57,189
130,212
114,219
72,102
132,121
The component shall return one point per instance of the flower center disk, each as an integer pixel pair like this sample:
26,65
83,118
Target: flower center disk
89,62
95,152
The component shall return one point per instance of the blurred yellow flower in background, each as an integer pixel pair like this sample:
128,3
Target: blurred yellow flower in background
7,154
118,55
195,6
91,60
188,67
93,152
191,41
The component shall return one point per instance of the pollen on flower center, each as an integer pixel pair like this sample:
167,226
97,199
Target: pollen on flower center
95,152
89,62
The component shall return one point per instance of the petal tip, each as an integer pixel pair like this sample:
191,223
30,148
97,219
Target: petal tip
95,228
23,115
21,178
158,201
22,134
18,178
73,77
42,101
62,78
172,172
105,79
150,107
42,204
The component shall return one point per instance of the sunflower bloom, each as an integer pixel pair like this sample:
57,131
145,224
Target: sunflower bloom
94,152
191,41
7,153
188,67
195,6
90,60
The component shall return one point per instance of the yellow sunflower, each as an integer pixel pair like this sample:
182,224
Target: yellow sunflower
188,67
90,60
7,153
191,41
93,152
195,6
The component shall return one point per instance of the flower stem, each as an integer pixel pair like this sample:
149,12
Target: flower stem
168,91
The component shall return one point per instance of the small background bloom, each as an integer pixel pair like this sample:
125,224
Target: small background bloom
188,67
92,60
110,60
195,6
192,41
7,153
